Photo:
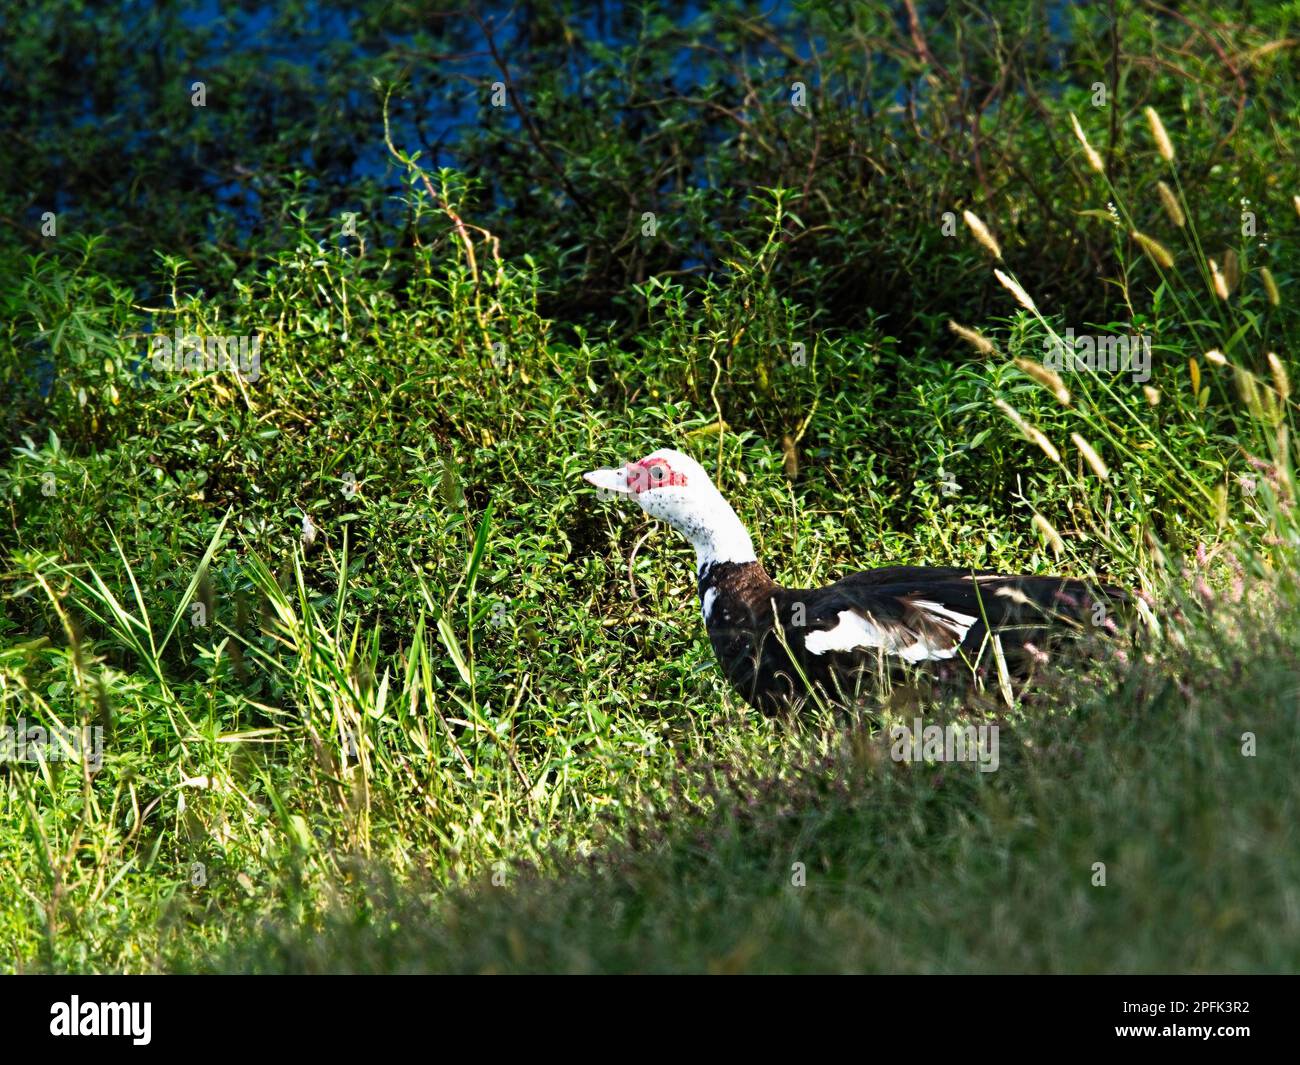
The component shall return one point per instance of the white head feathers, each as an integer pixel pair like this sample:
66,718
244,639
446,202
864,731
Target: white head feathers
673,487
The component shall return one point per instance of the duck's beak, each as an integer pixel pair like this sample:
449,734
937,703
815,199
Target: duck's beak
609,480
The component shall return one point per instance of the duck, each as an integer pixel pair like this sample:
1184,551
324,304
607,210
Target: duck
783,648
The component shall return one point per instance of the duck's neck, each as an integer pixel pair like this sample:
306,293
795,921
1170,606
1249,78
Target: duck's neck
722,538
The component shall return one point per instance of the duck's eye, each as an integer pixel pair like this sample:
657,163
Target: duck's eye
658,473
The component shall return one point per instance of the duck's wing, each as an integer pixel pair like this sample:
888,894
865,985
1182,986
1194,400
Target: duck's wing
920,614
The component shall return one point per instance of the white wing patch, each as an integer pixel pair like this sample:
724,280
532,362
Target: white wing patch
855,632
960,622
707,606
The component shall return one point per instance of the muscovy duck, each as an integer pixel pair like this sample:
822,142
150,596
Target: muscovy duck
780,646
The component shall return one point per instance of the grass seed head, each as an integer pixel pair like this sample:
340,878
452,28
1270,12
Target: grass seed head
1231,269
1159,254
1013,414
1270,286
973,337
1163,144
1032,433
1049,534
1090,153
1246,388
1049,379
1171,205
1091,457
982,234
1281,380
1013,286
1220,282
1047,447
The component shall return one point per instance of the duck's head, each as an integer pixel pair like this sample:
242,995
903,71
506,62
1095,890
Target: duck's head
673,487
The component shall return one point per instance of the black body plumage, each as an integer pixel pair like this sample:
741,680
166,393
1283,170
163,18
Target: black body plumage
766,636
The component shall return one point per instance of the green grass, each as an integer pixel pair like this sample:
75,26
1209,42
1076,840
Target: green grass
908,869
475,723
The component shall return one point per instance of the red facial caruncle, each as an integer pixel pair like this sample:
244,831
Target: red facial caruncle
652,473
